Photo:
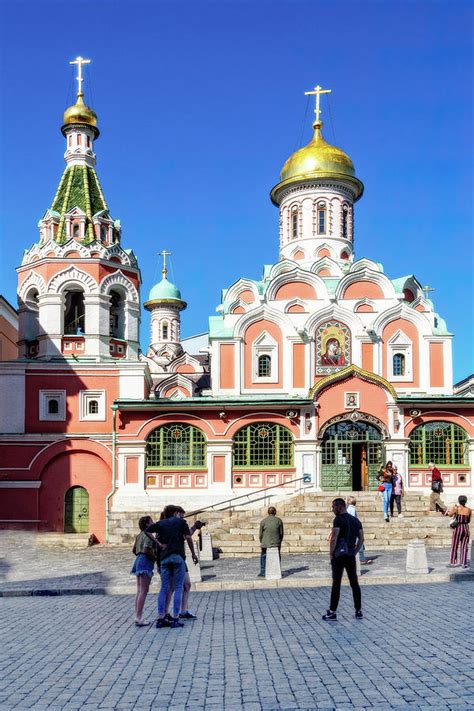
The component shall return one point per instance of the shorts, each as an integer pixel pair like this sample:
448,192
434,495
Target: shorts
142,565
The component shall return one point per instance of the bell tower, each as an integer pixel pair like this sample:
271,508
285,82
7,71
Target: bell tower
78,290
316,195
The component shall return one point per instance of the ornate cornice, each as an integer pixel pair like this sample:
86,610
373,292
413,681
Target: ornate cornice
346,373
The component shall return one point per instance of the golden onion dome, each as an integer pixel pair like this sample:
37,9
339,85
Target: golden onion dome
318,159
80,114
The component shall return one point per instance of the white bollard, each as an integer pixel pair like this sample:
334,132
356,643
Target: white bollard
206,551
273,566
193,570
417,562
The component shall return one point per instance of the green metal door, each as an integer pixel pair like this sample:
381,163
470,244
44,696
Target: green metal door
76,510
338,453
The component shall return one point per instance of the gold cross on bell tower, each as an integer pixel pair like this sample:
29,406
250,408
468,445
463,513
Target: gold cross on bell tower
317,91
164,254
80,61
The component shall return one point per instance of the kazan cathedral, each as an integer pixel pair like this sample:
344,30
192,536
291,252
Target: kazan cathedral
317,373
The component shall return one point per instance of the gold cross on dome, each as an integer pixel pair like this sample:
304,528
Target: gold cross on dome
427,290
164,254
317,91
80,61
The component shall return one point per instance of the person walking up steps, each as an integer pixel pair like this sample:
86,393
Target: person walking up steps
347,537
397,492
385,479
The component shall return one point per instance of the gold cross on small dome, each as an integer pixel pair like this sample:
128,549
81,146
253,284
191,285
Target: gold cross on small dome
80,61
164,254
317,91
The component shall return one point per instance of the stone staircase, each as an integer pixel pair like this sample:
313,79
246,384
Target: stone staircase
308,518
64,540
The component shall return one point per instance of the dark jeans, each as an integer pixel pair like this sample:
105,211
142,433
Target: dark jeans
348,563
396,498
263,559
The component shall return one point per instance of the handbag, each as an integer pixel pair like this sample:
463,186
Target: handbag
341,548
437,486
381,488
454,521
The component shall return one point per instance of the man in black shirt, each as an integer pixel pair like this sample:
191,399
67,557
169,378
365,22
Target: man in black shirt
173,532
345,542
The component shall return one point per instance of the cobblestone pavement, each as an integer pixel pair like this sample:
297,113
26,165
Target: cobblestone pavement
251,650
26,566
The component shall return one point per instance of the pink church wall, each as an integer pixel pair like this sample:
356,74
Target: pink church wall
295,290
364,309
368,357
372,399
177,389
298,365
436,365
131,473
218,468
363,289
412,332
247,296
185,368
251,334
296,309
227,366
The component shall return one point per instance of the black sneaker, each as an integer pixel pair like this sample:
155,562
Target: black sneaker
261,575
187,616
176,623
168,618
330,616
359,615
162,622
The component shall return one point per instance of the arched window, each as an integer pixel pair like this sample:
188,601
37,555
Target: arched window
117,315
294,223
264,366
53,407
399,364
321,217
164,330
345,212
439,442
74,313
263,445
93,407
176,446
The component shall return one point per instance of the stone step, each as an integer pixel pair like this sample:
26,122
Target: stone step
66,540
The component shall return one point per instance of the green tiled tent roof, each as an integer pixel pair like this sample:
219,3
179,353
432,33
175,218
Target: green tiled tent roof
79,187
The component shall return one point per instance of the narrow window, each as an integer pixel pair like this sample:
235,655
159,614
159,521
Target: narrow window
399,364
79,139
69,140
117,315
74,314
75,229
345,211
264,366
53,407
93,407
165,331
321,220
103,233
294,224
88,141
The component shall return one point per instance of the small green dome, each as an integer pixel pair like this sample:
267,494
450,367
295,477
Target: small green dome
164,290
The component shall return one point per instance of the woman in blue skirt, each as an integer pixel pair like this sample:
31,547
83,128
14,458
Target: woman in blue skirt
145,558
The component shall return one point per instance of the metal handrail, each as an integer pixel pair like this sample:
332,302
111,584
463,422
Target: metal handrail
243,496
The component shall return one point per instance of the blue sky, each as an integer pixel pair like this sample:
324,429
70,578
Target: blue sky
200,104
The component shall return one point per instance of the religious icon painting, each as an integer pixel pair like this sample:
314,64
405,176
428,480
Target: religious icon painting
333,347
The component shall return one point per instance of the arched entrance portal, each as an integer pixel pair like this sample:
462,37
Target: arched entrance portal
351,455
76,510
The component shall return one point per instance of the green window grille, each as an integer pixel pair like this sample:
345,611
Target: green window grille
399,364
439,442
263,445
345,210
264,366
321,221
176,446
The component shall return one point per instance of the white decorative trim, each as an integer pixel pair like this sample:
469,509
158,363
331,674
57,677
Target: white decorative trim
45,396
402,345
20,484
85,396
64,278
118,279
32,280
